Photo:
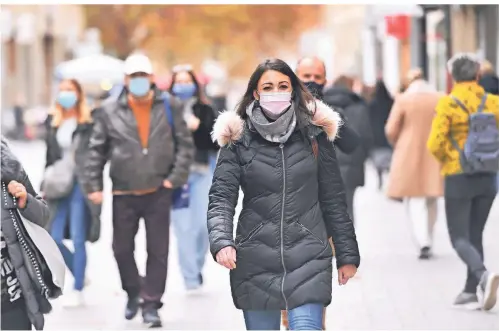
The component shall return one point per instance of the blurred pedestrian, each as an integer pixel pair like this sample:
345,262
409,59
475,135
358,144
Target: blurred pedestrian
73,216
23,305
465,140
488,78
277,148
147,161
379,111
415,175
20,125
190,224
355,110
312,73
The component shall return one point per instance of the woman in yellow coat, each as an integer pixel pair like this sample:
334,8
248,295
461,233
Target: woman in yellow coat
468,196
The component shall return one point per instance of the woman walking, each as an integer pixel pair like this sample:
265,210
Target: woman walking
190,224
464,131
73,216
277,147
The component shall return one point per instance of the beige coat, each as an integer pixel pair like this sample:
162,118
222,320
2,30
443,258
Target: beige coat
414,171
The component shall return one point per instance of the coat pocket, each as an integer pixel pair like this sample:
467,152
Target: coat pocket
250,235
311,233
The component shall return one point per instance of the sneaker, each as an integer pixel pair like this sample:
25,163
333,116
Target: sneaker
132,307
425,253
489,284
151,317
467,301
74,299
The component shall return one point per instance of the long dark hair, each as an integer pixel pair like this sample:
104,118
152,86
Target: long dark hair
199,92
301,96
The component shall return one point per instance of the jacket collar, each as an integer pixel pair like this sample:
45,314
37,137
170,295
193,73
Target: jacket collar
229,126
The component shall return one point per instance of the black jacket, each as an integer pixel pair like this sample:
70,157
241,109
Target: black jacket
115,138
202,136
53,154
379,111
347,140
355,110
36,211
490,83
292,204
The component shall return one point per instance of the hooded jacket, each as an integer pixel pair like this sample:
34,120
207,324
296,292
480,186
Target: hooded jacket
294,201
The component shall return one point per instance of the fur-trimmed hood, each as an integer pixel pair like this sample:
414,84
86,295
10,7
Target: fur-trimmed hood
229,126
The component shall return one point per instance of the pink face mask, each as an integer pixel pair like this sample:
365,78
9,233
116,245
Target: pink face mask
275,103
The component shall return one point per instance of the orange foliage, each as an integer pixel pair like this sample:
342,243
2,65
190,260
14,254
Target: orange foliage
238,35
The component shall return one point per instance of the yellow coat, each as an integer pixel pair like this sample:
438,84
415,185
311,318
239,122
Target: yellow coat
451,118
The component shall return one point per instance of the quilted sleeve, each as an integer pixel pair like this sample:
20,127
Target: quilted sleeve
439,134
224,193
334,208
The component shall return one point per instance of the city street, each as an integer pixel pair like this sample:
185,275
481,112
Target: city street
393,289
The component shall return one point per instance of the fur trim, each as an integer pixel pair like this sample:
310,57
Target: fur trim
326,118
229,127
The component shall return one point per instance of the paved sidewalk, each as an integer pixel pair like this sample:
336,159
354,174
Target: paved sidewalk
393,290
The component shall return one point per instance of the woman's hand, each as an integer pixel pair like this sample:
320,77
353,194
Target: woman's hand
19,191
193,123
227,257
345,273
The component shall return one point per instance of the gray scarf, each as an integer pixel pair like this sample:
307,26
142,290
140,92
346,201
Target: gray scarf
278,131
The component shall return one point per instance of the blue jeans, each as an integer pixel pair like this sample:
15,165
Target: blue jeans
191,230
213,162
306,317
72,207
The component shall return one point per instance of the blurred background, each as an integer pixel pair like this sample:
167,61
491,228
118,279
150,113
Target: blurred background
44,43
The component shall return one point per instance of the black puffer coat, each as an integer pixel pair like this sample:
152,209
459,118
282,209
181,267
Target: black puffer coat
356,111
292,203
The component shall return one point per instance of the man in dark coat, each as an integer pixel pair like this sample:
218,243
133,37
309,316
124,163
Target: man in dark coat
355,110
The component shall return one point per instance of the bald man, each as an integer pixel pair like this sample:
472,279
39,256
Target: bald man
312,72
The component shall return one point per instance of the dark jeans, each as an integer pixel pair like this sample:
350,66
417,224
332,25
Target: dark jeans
127,211
467,205
15,319
307,317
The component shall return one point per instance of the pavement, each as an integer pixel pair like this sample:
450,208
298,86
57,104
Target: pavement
393,289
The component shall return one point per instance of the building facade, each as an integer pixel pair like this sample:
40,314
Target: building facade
35,38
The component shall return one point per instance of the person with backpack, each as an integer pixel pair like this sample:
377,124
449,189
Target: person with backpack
150,150
465,139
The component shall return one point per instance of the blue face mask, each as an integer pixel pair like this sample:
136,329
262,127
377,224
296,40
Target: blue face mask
139,86
184,91
67,99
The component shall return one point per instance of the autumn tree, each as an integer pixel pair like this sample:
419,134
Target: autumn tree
238,35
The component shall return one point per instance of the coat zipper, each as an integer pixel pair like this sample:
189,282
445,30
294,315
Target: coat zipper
282,223
27,250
